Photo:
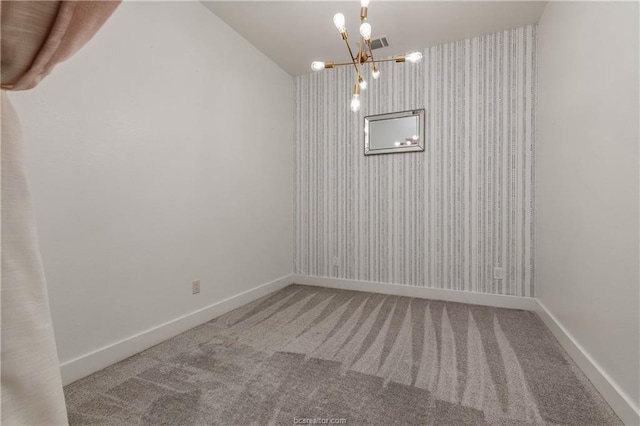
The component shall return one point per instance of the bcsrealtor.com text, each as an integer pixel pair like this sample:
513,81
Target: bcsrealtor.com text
319,421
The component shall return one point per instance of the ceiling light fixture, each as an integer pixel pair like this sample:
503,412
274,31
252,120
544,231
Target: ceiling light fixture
364,55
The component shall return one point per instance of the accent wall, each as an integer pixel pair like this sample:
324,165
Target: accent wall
443,218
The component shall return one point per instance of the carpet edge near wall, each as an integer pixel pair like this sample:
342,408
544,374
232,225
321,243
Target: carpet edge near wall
114,352
485,299
608,388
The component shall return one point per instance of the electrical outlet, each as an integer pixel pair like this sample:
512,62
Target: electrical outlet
336,261
498,273
195,286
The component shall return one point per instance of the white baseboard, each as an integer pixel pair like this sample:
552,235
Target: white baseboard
497,300
97,360
617,399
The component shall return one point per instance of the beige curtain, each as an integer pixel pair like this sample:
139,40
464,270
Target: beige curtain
35,36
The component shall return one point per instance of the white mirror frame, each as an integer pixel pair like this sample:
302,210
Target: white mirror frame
419,113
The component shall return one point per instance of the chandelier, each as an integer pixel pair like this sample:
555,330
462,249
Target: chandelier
364,56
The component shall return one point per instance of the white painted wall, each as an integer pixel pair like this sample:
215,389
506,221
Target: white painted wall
161,153
587,181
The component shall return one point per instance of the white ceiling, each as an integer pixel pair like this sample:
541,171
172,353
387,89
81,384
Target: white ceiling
295,33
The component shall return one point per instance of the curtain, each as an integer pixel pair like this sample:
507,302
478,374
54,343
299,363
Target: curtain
35,36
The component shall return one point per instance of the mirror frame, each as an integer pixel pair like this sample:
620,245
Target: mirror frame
420,113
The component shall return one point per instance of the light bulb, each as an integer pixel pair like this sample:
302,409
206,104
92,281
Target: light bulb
365,30
414,57
375,74
362,83
338,20
317,65
364,3
355,103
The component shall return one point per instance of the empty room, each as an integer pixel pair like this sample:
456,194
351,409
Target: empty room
320,212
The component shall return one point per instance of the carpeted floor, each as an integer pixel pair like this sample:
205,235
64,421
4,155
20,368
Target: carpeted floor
351,357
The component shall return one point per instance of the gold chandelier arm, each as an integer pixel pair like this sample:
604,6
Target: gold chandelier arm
339,64
395,59
353,60
360,55
363,19
373,61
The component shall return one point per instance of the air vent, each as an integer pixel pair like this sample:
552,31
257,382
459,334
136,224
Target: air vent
379,43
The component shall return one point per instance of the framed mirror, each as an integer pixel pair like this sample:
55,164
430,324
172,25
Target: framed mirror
395,132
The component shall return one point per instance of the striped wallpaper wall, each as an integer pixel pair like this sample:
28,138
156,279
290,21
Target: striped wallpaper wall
443,218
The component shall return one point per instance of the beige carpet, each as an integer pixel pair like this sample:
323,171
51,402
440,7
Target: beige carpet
351,358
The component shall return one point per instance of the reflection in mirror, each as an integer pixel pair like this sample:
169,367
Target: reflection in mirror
395,132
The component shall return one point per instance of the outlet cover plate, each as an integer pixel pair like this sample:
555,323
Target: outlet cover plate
195,286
